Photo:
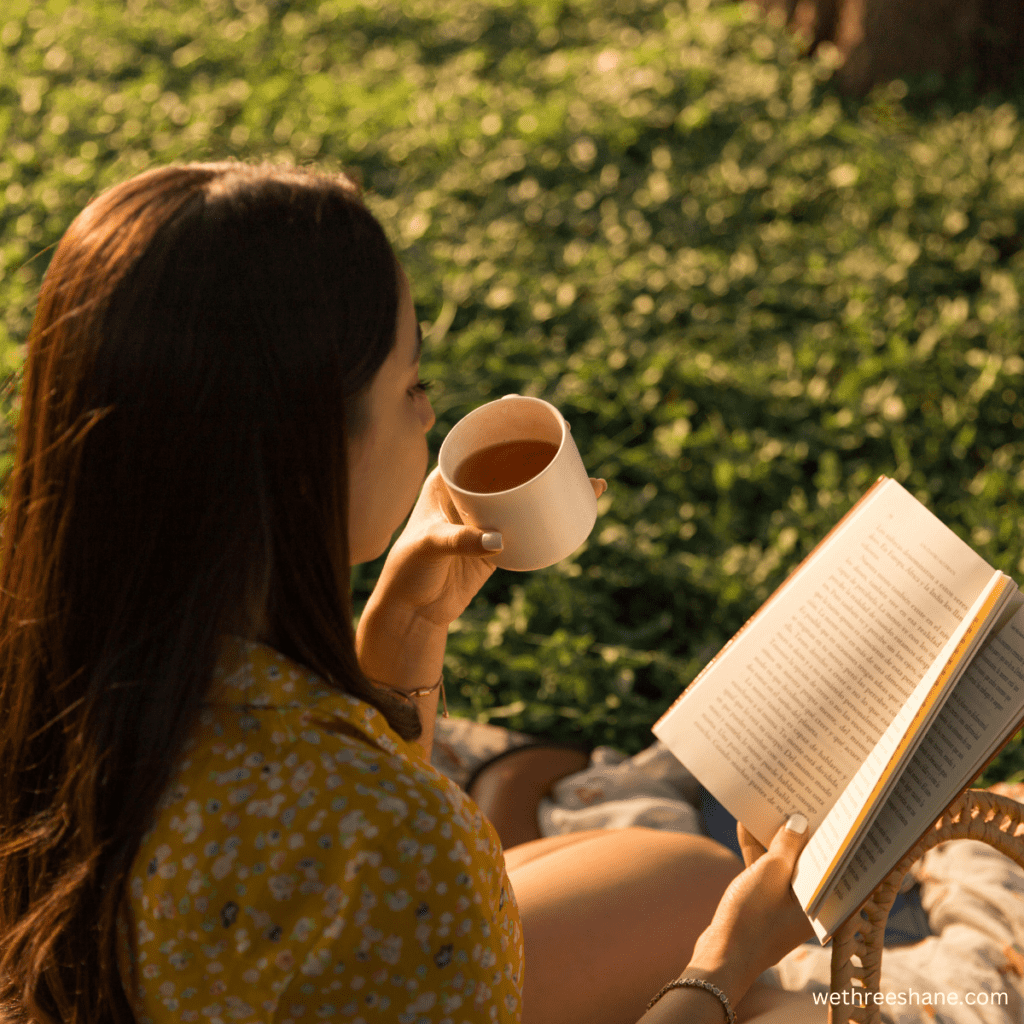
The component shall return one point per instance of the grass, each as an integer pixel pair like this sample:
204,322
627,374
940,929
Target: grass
749,296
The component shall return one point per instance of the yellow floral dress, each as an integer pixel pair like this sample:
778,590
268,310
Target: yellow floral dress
294,874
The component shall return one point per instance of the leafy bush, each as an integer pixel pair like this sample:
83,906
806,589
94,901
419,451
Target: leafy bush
748,296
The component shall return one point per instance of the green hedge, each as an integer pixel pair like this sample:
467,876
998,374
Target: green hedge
749,296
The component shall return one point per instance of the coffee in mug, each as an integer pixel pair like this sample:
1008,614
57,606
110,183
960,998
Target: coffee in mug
500,467
512,466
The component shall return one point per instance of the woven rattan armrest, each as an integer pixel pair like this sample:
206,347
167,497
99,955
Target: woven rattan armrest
857,944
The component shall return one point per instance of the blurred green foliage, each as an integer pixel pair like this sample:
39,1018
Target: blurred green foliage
749,296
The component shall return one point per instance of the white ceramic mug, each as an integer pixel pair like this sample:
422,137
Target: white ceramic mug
542,520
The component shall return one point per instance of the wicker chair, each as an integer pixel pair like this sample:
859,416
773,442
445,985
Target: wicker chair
976,814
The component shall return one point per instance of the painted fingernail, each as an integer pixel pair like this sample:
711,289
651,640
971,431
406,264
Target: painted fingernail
492,541
797,823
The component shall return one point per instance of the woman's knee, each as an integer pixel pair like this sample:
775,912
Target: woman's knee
524,853
621,851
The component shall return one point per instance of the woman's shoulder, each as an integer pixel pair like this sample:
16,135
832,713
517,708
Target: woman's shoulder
271,730
286,855
260,788
251,678
277,828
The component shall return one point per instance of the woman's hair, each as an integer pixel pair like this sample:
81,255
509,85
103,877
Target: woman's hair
203,337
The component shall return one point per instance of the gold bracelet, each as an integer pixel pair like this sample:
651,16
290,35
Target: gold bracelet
730,1016
424,691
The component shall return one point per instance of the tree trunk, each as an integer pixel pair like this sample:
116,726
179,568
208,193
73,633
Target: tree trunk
884,39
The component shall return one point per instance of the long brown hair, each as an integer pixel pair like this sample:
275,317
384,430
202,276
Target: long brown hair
202,339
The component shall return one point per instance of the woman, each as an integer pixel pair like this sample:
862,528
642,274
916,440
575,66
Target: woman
217,801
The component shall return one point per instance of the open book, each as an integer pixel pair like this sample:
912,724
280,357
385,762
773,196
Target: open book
867,693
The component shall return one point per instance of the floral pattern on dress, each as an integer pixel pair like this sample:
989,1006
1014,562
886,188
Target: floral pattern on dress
294,874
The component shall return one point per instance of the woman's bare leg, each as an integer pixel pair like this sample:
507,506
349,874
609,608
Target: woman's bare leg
525,852
763,1004
609,916
666,868
509,790
766,1005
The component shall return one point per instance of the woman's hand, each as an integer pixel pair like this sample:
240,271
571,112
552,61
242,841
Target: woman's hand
432,572
437,564
758,920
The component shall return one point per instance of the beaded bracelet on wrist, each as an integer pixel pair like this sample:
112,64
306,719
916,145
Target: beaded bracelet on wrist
424,691
730,1016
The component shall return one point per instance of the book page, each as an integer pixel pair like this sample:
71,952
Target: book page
789,711
832,846
985,707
